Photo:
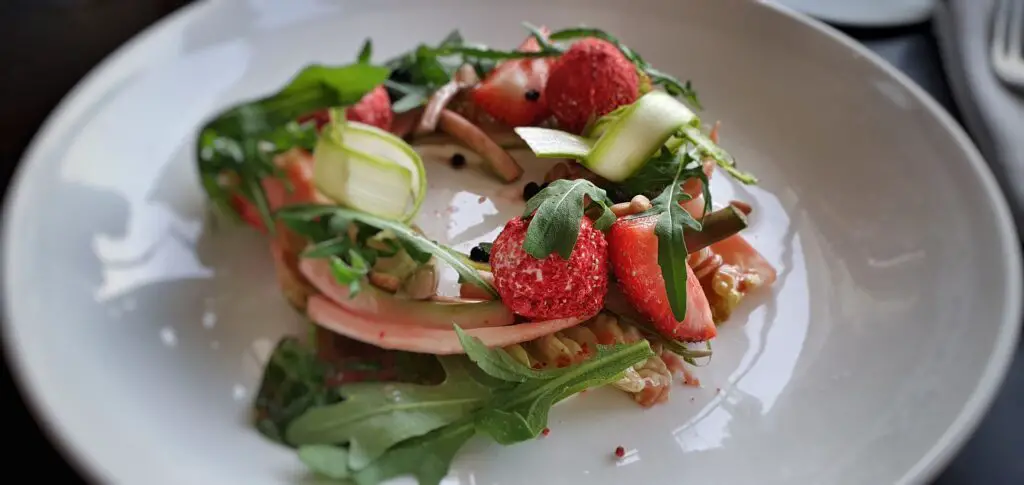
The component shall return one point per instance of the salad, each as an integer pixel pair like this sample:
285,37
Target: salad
617,272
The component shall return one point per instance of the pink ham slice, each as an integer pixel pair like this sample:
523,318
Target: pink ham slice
379,305
397,336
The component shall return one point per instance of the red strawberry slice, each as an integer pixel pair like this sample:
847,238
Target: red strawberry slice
633,254
513,93
298,169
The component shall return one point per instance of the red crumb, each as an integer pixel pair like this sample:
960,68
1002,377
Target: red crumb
552,287
620,451
482,199
563,361
538,365
545,431
590,80
689,379
381,335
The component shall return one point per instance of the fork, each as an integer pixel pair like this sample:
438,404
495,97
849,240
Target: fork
1008,42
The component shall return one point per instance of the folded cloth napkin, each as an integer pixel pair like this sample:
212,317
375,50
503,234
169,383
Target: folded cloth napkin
992,112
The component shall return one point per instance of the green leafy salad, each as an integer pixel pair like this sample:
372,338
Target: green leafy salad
616,272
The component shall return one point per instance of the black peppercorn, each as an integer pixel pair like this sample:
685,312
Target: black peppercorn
532,95
458,160
479,255
530,190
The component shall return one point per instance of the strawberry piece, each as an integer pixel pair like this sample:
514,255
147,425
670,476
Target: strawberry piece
589,81
298,170
374,109
513,93
633,254
552,287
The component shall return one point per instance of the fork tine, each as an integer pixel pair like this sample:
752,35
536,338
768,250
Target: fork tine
1016,20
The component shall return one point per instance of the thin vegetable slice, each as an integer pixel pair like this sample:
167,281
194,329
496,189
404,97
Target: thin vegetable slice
396,336
369,169
549,143
636,134
625,139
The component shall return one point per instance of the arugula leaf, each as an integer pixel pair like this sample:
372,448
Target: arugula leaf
669,228
417,246
556,214
512,415
366,52
293,381
243,139
427,458
327,460
497,362
483,52
374,417
708,148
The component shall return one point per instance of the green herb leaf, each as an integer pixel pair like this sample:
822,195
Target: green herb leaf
708,148
483,52
506,428
366,52
417,246
427,458
329,461
669,228
533,399
555,225
243,139
542,40
374,416
496,362
293,381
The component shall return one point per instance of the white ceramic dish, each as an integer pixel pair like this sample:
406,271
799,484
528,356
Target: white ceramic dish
865,13
138,332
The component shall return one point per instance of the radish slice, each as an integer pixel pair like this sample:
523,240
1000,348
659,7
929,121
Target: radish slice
397,336
380,305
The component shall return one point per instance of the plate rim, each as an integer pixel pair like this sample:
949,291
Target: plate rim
48,417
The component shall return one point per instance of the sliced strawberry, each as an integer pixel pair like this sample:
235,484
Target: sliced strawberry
374,109
633,253
513,93
298,170
247,211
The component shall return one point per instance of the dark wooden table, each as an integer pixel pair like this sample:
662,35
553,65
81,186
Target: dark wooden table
46,46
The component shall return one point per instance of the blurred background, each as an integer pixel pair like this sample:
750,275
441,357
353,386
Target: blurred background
47,46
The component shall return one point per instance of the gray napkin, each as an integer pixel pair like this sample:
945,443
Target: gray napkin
993,113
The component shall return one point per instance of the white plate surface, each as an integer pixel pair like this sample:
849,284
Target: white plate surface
865,13
138,331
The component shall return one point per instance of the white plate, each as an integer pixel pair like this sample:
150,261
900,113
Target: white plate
865,13
138,332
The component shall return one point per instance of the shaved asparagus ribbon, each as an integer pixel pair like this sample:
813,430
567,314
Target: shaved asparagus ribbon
620,143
